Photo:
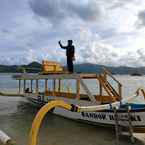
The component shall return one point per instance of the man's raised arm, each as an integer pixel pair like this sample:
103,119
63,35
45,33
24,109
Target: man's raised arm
64,47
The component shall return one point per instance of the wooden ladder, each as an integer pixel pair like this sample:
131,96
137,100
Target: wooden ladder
118,127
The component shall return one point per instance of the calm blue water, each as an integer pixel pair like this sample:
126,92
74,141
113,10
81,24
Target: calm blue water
16,115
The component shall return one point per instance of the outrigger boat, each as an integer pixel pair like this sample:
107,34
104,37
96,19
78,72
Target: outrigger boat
97,108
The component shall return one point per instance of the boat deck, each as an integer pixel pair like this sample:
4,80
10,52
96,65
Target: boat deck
57,85
26,76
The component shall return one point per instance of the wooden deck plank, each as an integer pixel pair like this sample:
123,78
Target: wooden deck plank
27,76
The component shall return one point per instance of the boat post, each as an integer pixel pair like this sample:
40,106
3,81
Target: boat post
54,86
31,85
37,87
130,125
100,88
46,85
116,119
78,89
120,90
19,86
24,87
59,84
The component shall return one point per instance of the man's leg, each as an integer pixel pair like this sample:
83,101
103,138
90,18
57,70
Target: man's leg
70,65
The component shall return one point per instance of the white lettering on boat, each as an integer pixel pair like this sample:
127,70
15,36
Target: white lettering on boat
94,115
100,116
125,117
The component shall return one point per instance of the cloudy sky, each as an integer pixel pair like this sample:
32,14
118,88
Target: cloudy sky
110,32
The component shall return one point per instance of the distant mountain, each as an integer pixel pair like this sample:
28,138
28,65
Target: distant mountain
87,67
35,67
32,67
34,64
5,68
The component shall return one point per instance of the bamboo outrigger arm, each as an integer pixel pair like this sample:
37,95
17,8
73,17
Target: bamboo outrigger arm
40,115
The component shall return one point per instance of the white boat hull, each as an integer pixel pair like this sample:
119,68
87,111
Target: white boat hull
106,117
100,118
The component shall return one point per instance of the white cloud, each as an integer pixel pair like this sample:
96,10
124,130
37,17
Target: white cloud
106,32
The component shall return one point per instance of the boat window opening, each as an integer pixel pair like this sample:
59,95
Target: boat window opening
92,86
27,86
41,84
85,98
104,93
49,87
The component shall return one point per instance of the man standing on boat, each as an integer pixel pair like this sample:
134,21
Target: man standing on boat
70,50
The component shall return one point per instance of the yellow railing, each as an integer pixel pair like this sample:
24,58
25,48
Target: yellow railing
111,97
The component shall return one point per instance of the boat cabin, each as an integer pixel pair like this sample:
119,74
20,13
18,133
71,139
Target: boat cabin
109,89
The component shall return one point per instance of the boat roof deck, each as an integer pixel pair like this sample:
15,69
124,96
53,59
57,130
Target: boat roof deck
27,76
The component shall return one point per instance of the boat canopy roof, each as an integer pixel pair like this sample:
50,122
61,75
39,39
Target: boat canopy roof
27,76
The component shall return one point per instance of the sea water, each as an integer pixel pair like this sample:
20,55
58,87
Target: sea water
17,114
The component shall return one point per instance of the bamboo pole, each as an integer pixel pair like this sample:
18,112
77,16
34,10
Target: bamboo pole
24,87
54,86
116,119
78,89
100,89
37,87
19,86
46,85
120,91
130,125
31,85
59,85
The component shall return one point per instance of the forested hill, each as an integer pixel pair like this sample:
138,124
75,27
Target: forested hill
86,67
